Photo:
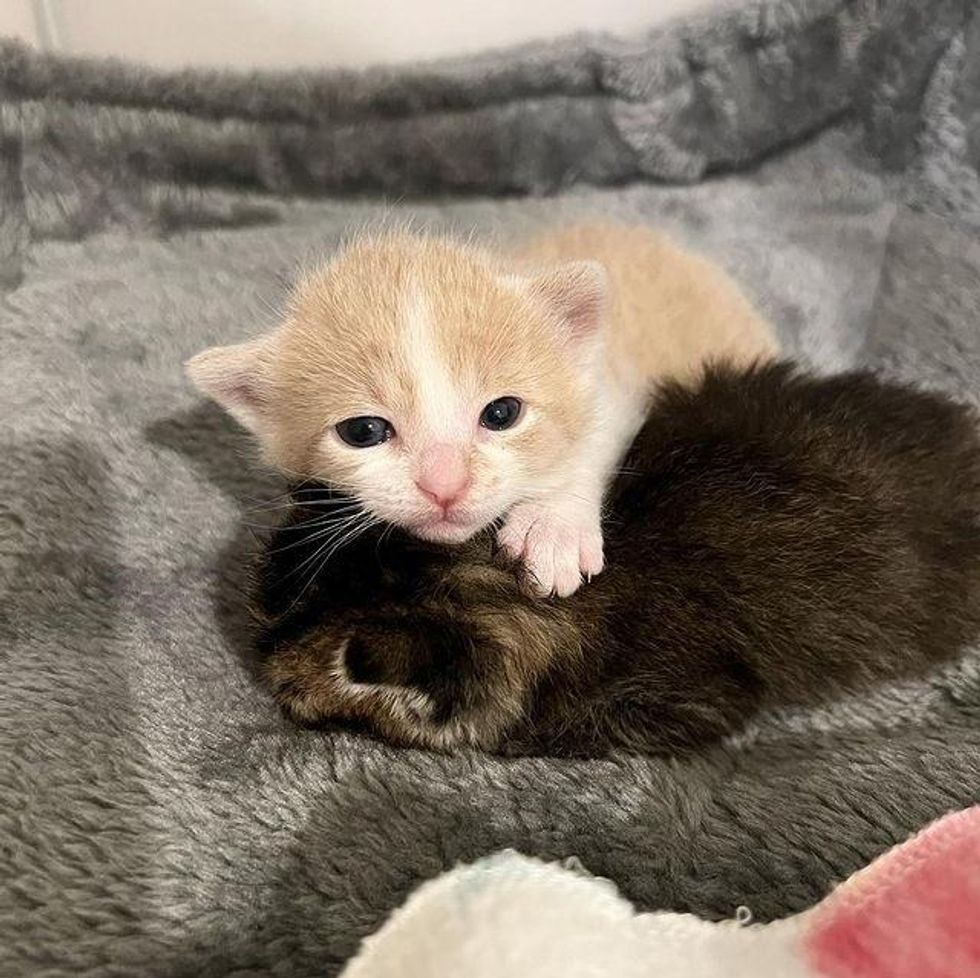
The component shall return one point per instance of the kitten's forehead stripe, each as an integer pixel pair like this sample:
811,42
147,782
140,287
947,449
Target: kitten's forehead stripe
437,400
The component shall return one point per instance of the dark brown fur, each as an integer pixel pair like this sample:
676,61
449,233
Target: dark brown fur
775,540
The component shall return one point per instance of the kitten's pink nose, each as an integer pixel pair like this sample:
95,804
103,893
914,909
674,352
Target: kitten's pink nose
443,474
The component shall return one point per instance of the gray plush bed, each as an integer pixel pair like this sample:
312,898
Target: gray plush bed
157,815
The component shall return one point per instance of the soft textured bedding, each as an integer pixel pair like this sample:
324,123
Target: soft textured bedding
158,816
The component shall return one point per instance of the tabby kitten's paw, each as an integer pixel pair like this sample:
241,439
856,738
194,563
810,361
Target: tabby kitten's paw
558,544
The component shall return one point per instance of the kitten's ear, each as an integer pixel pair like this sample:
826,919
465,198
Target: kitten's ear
237,377
576,292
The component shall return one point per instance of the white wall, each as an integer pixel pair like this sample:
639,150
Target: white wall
276,33
17,19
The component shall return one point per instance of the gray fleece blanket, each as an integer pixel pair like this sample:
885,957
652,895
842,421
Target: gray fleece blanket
157,815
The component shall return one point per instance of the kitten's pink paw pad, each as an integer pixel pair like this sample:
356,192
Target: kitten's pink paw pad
556,550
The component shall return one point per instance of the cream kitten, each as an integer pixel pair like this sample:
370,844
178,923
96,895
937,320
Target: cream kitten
447,387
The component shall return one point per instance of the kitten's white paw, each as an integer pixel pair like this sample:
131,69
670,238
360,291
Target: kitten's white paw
557,547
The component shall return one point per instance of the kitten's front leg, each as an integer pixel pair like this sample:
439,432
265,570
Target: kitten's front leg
558,534
559,540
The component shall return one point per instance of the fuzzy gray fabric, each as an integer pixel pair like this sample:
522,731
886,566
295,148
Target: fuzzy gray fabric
158,815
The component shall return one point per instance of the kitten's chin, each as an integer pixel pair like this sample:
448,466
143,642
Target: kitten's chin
444,531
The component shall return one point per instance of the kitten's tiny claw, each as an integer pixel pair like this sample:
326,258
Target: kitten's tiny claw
557,548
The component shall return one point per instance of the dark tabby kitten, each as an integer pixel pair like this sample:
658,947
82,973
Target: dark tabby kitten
776,539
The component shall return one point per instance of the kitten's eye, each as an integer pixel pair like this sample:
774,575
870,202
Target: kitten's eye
500,414
365,431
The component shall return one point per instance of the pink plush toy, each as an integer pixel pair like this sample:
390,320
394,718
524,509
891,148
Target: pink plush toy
913,913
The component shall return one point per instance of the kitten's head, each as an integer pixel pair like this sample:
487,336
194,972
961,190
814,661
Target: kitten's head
423,377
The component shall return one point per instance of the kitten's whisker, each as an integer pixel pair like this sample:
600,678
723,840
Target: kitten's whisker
299,480
328,491
305,493
385,533
258,503
295,486
336,531
350,535
319,534
279,507
274,505
262,499
326,512
307,526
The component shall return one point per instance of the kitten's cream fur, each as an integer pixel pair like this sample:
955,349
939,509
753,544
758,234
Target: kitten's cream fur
425,331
